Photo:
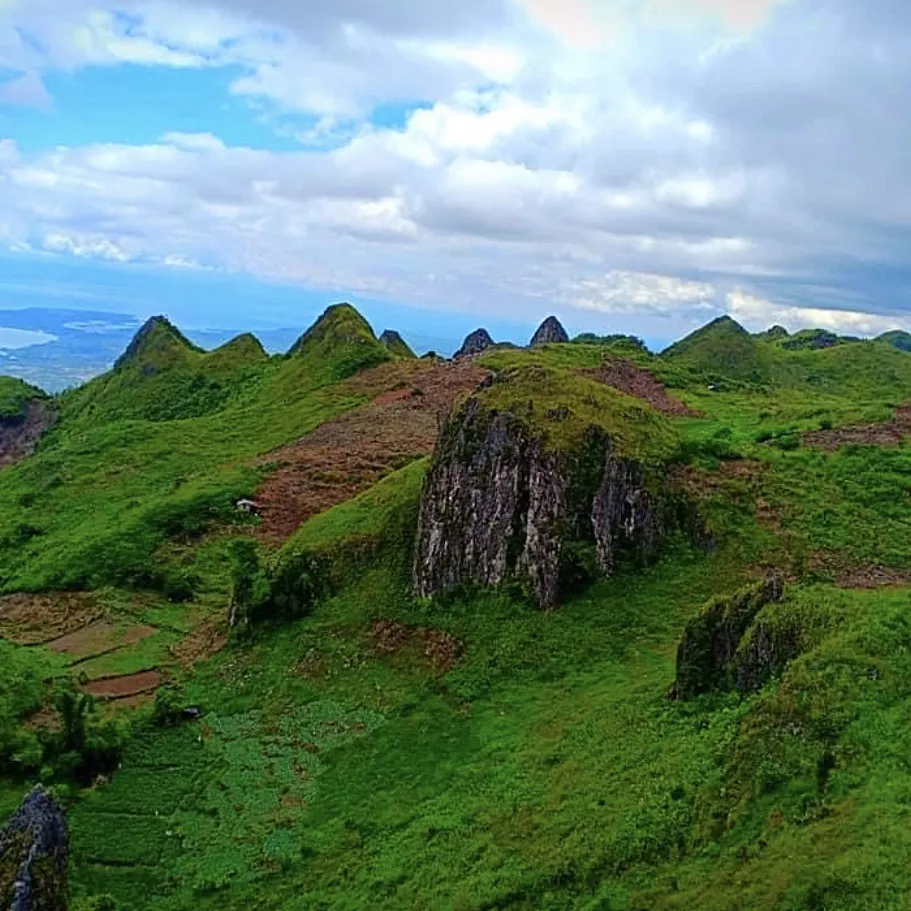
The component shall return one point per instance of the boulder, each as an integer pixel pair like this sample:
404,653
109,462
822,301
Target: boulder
34,853
548,332
475,343
707,654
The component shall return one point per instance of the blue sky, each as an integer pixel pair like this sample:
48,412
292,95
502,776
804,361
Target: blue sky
639,167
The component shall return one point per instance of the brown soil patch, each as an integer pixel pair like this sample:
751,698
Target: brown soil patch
18,438
99,638
125,685
205,640
857,575
28,619
739,480
887,433
47,718
627,377
349,454
439,649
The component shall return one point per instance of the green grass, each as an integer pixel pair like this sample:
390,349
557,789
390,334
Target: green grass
546,768
14,397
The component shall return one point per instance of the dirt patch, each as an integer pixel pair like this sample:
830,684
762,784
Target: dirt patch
349,454
439,649
739,481
125,685
205,640
627,377
886,433
19,436
849,574
99,638
29,619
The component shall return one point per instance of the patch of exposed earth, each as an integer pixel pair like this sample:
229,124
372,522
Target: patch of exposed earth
19,436
33,619
885,433
626,377
99,638
125,685
738,480
436,647
349,454
849,574
205,640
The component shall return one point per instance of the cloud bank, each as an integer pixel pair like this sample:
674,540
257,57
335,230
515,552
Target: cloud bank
643,163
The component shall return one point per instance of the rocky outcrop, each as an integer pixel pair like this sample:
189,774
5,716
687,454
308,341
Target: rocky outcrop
19,434
548,332
475,343
707,657
499,505
764,652
34,853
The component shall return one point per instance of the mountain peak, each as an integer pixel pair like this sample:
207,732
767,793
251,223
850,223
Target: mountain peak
475,342
396,344
157,339
550,331
338,324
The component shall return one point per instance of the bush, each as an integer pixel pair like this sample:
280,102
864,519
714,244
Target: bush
279,593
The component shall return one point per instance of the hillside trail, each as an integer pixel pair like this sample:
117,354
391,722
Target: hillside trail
349,454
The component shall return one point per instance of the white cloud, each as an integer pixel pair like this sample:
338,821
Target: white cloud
649,157
757,314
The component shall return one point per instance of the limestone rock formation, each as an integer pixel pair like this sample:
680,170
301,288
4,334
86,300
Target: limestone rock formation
707,654
475,343
34,853
549,331
498,504
765,651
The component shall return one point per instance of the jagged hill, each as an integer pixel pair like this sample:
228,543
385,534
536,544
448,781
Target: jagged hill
898,338
721,351
242,351
549,332
397,346
341,341
157,345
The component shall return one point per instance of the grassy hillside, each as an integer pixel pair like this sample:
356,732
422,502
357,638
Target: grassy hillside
14,397
470,752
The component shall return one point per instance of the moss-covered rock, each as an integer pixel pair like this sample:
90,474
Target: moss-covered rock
707,654
538,481
34,855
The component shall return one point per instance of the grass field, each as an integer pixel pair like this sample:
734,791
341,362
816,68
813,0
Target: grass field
472,752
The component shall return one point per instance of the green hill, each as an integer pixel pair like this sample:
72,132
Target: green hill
361,747
898,338
720,352
397,346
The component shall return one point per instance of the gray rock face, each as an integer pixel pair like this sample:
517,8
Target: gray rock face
708,654
34,853
763,653
497,506
475,343
549,331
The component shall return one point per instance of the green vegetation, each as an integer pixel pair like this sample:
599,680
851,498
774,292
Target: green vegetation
360,748
560,406
15,396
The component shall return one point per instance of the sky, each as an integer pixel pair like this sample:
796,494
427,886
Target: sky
630,165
